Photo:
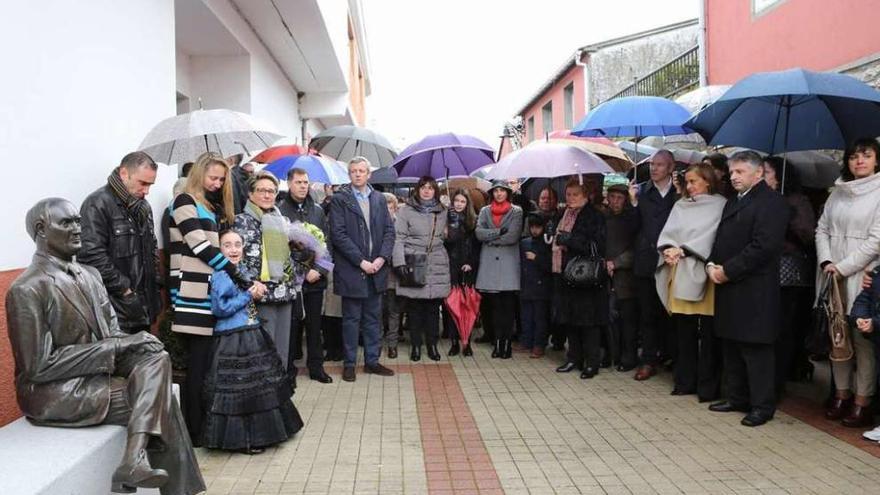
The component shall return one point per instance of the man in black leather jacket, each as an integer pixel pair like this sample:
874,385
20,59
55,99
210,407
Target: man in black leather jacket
119,241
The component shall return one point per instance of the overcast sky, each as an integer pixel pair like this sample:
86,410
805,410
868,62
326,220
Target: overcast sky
466,66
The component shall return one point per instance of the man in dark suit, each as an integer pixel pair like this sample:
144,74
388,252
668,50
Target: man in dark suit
744,265
74,366
362,235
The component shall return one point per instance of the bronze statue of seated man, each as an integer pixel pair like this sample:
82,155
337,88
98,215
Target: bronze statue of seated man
74,367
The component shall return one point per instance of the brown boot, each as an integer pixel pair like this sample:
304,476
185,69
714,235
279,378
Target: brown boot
859,417
644,372
537,353
838,408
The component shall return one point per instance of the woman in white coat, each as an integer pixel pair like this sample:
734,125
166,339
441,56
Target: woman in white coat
848,242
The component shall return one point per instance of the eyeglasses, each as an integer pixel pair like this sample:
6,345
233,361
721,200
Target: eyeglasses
262,190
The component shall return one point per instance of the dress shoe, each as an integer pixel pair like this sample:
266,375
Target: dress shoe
433,353
129,477
567,367
537,353
676,391
415,354
392,353
467,351
859,417
589,372
725,406
321,376
454,349
838,408
644,372
496,351
348,374
378,369
755,418
623,368
506,349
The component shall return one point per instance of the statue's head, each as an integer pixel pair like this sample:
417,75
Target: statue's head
56,227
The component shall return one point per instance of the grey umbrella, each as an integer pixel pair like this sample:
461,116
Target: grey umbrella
184,137
344,142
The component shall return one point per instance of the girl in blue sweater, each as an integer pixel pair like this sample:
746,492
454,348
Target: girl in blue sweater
248,392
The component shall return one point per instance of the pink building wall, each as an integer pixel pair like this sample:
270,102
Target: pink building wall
557,96
813,34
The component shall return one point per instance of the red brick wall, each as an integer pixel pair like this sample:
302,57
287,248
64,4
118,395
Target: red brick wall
8,407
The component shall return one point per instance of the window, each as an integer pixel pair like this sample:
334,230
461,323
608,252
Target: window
761,7
547,118
531,128
568,105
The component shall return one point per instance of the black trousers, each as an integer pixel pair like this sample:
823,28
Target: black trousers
653,322
791,357
627,328
503,313
486,318
698,365
200,354
312,304
424,320
749,369
583,345
332,334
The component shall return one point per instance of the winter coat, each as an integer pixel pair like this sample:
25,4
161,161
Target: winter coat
848,233
653,210
748,244
620,246
867,306
413,229
582,307
463,248
251,263
307,212
536,275
351,241
499,255
230,303
123,248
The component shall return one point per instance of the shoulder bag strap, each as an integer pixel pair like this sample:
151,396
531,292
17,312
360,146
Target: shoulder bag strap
433,228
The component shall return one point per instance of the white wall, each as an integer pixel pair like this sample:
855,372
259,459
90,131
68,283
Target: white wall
220,81
85,81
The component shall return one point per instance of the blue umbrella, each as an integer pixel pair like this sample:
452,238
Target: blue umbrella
791,110
319,168
443,155
635,116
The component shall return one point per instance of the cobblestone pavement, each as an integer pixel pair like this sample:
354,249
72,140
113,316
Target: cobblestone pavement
487,426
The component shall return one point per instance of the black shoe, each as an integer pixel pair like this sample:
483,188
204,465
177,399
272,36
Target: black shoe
416,353
606,363
496,351
251,450
567,367
727,407
625,367
676,391
129,477
321,376
755,418
506,349
348,374
378,369
589,372
454,349
467,351
433,353
392,353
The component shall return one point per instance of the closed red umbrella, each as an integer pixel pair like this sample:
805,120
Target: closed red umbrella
463,304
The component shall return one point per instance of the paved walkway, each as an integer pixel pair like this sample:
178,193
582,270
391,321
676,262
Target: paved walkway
485,426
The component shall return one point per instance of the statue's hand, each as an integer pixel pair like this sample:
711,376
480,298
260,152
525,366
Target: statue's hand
141,342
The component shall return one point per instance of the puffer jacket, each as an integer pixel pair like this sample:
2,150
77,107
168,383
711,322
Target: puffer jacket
414,235
848,233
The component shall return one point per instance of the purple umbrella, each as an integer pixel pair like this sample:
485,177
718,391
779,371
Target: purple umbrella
443,155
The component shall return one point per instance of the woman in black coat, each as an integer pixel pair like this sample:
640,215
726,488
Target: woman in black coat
583,311
464,257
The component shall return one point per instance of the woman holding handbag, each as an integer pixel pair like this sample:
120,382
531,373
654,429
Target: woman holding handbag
582,306
422,264
848,242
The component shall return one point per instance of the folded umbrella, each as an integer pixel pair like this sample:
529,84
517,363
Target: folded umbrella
463,304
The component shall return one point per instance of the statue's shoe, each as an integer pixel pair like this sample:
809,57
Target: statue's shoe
129,477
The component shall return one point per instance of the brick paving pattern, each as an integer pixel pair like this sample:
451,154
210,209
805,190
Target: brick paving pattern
484,426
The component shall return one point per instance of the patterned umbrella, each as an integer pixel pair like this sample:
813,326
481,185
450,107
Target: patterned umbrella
320,169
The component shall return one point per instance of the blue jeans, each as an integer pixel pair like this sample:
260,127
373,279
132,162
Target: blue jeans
361,315
534,315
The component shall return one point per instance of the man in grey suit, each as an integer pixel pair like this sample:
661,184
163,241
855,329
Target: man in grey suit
74,367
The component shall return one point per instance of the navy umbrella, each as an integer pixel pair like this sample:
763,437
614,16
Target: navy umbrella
791,110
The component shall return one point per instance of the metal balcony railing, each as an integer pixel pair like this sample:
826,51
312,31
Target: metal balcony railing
677,76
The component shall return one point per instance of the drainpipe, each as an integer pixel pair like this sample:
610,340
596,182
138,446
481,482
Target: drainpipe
302,122
701,44
577,62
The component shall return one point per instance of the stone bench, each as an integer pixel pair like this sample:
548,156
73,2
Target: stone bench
40,460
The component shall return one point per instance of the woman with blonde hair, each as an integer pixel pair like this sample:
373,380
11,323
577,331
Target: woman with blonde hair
197,216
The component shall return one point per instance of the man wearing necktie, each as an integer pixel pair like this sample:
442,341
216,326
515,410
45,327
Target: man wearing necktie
74,367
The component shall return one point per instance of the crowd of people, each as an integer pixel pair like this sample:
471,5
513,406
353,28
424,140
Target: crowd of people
710,271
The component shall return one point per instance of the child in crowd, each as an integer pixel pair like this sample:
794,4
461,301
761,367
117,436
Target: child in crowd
536,287
390,302
865,316
248,390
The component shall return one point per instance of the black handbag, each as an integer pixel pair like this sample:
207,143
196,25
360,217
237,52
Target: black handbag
818,341
586,271
414,272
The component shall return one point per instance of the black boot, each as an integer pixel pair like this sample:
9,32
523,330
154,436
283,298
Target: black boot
467,351
433,353
416,353
455,349
496,352
507,349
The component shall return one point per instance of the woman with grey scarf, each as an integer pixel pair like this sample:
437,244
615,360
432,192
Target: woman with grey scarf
683,286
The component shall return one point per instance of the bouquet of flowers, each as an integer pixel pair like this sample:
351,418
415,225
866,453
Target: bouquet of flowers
311,238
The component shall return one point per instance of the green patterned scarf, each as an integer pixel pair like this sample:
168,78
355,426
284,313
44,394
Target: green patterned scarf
276,264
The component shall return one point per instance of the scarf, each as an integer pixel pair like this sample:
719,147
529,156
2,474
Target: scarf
136,207
498,211
424,206
565,225
275,264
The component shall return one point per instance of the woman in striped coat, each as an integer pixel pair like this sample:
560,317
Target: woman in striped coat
197,215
